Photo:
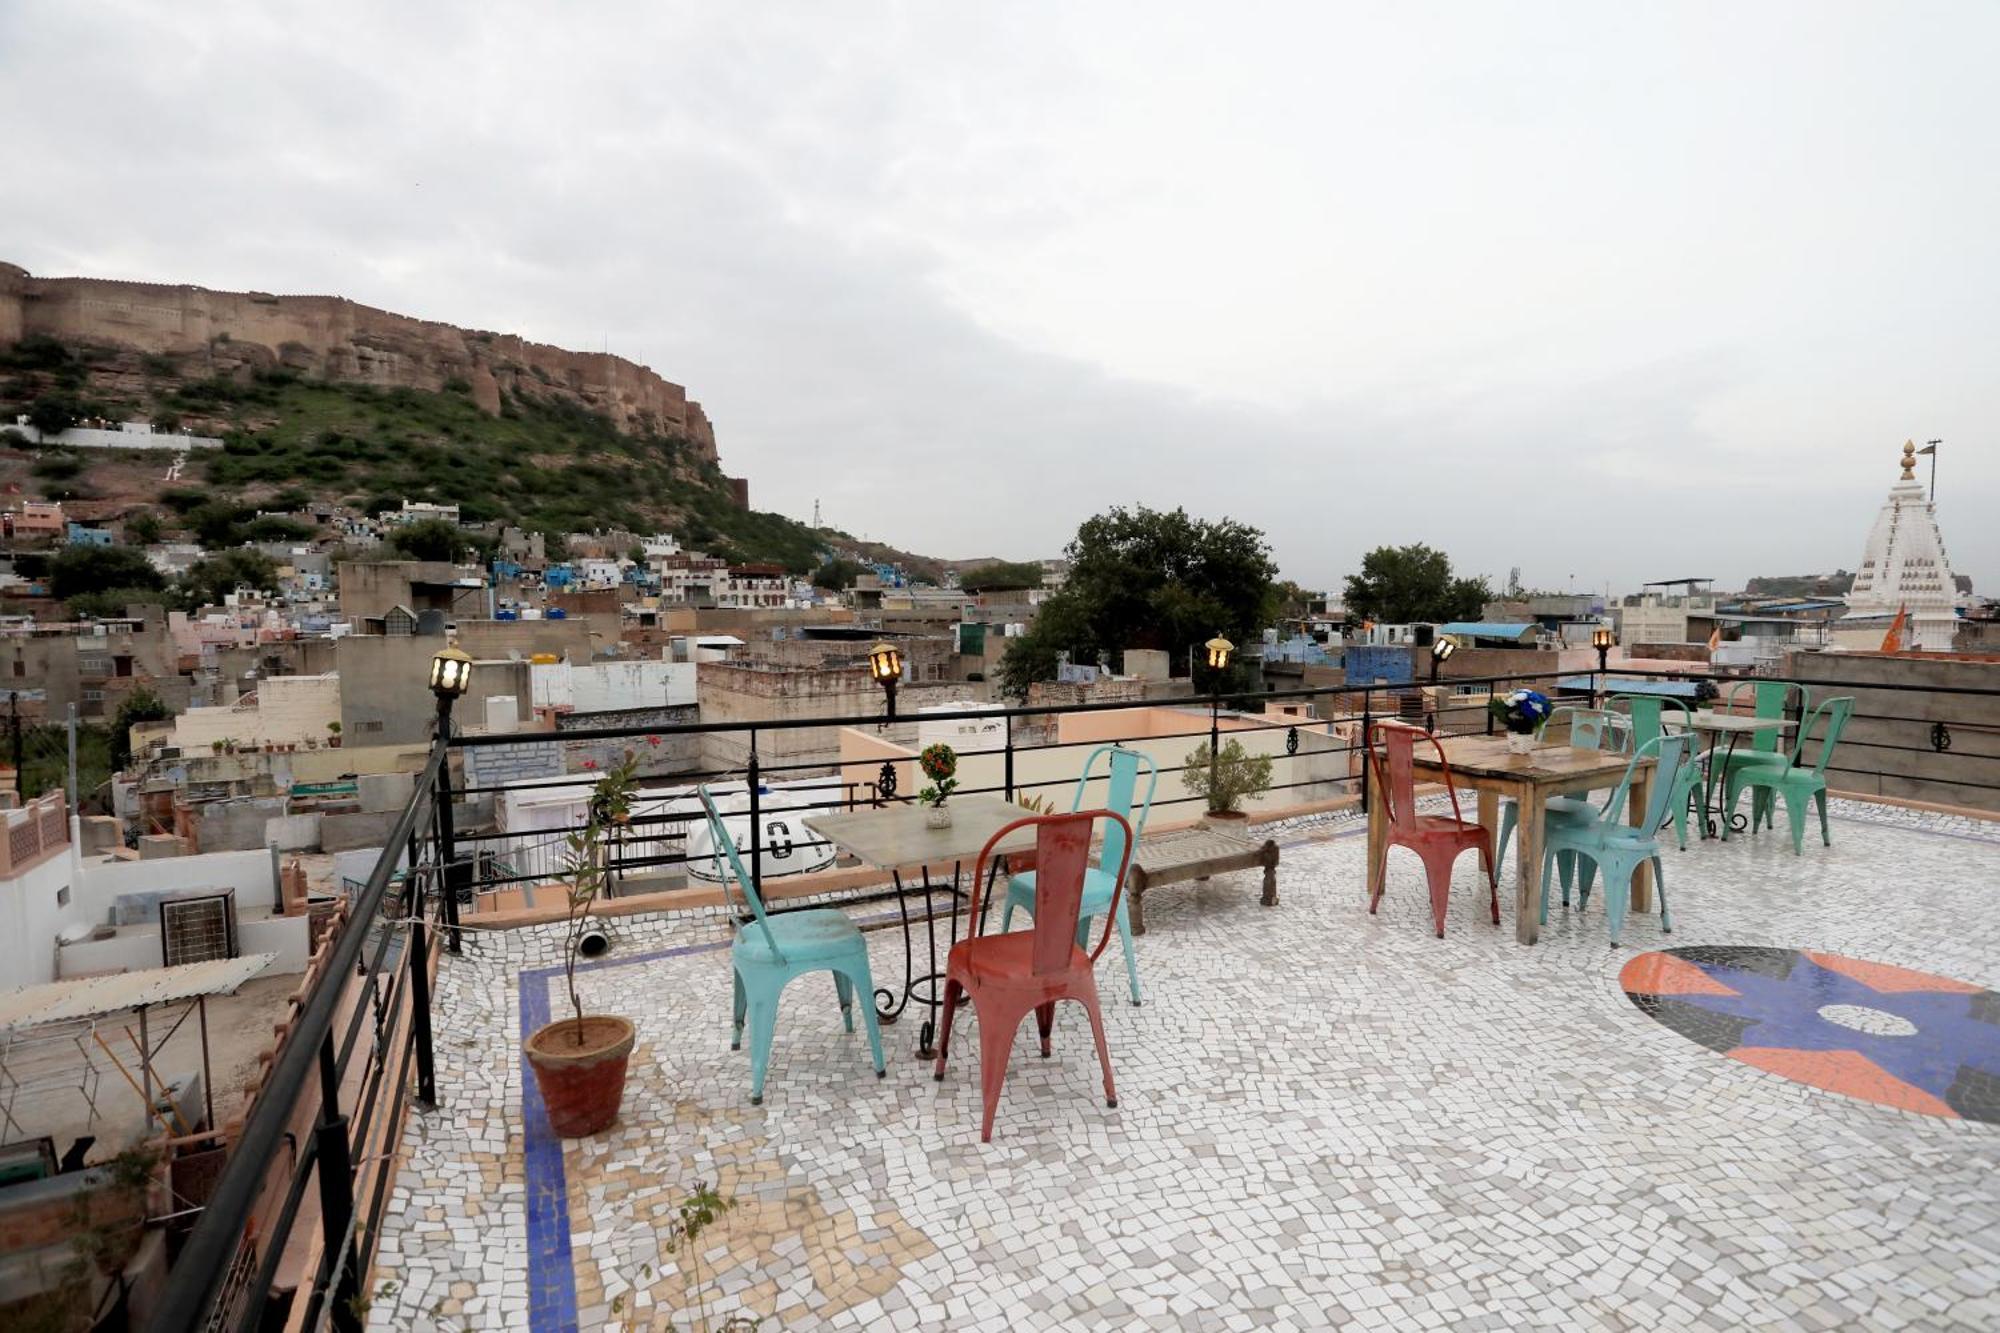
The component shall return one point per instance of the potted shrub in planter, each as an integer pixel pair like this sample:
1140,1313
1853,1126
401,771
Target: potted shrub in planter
333,736
579,1061
215,747
1225,780
940,764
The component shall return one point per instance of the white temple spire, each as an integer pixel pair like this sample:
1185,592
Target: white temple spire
1904,565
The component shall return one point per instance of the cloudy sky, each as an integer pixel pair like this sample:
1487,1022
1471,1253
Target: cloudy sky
1608,292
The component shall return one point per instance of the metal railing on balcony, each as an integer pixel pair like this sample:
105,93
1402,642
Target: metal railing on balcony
317,1146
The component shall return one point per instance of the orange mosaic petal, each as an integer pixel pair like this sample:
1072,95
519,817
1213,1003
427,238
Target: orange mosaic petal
1664,974
1846,1072
1890,980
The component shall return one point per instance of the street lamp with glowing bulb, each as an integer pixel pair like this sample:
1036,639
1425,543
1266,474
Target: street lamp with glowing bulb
451,676
1442,647
1219,650
885,664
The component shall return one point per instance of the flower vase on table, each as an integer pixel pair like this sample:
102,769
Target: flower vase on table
940,764
1523,713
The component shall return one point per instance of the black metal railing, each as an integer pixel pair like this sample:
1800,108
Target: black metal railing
360,1051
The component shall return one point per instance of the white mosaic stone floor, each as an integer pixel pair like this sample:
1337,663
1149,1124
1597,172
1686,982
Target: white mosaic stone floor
1325,1119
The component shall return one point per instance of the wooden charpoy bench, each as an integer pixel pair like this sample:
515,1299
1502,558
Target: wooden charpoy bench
1196,853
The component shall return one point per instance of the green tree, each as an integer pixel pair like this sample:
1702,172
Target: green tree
836,575
428,539
141,705
1402,585
1144,578
110,603
209,580
53,413
76,570
1001,576
142,528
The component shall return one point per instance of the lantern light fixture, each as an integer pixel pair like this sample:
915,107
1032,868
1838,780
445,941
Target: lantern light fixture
451,672
885,664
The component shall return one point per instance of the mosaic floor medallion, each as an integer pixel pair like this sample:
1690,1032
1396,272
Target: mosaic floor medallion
1884,1034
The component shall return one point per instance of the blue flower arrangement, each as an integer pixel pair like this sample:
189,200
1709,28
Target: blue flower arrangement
1521,712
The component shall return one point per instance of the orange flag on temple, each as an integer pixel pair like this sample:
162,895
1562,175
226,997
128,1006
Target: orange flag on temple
1715,638
1892,642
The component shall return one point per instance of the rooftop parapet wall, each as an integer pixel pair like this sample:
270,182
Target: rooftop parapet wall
339,339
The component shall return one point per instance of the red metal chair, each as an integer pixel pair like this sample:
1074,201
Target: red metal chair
1006,976
1438,840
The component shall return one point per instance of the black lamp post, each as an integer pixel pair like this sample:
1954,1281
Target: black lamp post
1219,650
1601,639
451,675
885,664
1441,650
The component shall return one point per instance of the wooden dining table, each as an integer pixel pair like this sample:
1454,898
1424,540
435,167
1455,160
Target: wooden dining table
1485,764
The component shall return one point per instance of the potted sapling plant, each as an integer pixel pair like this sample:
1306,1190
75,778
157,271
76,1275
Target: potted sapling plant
579,1060
1225,779
333,735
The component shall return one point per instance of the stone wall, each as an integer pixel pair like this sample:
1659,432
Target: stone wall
671,754
533,757
337,339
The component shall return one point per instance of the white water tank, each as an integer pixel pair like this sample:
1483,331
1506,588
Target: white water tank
965,735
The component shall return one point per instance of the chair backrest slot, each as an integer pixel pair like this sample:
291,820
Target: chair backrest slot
723,846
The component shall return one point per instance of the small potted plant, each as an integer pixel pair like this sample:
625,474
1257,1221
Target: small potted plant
940,764
333,735
1523,712
215,747
1225,779
579,1061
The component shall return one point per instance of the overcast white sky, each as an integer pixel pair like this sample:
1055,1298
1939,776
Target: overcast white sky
1609,292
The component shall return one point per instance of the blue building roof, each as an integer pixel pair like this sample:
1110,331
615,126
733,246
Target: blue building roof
1670,689
1489,629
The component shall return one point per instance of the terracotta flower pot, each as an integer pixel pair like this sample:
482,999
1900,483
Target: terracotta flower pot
1226,821
582,1085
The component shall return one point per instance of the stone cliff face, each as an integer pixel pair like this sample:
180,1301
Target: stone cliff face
222,333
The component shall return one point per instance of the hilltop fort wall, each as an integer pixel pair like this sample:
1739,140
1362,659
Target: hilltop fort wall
223,333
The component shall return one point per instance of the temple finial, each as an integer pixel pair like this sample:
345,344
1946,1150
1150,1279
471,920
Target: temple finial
1909,460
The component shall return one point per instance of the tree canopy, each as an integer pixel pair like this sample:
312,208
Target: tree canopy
1144,578
212,578
1001,576
80,569
141,705
428,539
1403,585
836,575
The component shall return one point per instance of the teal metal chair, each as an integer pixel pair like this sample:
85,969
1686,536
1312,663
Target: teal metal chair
1605,842
1650,714
1589,728
1769,698
1792,779
1100,885
771,950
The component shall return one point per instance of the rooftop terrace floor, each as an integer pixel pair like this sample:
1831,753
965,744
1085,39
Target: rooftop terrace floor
1324,1119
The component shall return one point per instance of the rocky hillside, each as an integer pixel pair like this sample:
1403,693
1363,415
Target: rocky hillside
541,458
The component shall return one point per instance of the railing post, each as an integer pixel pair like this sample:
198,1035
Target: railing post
419,955
1009,778
756,820
335,1168
447,855
1367,726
